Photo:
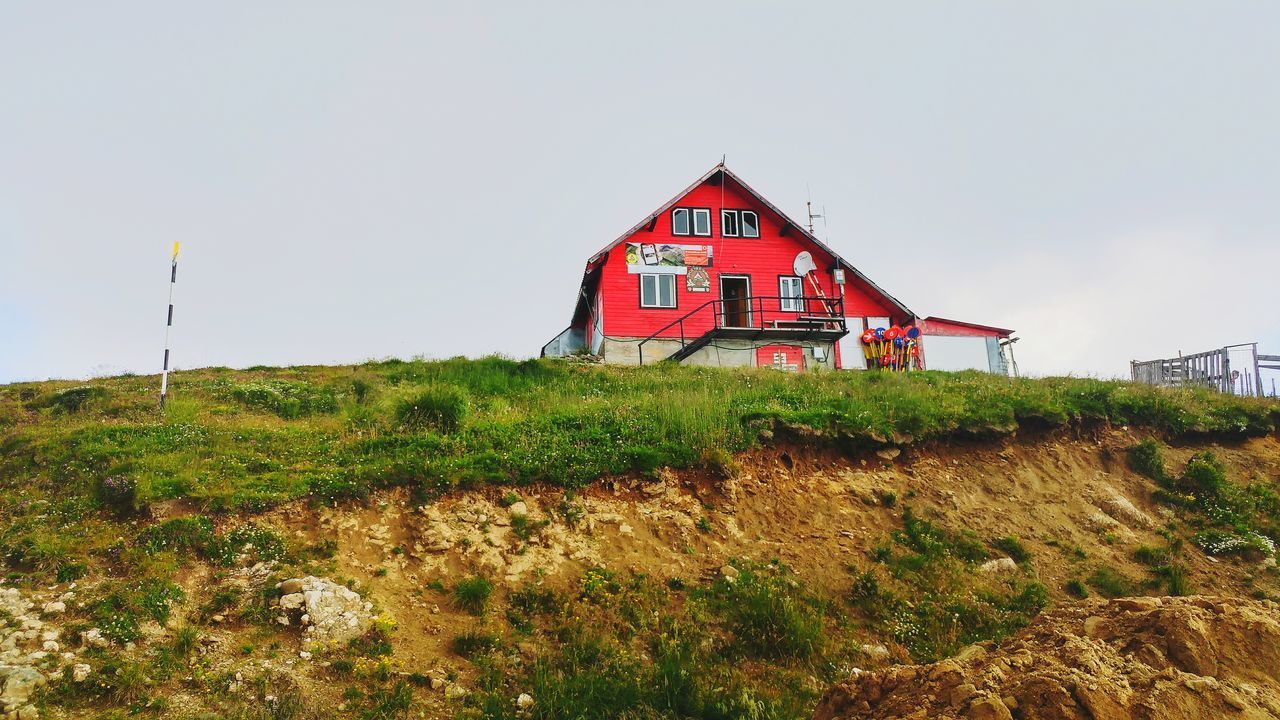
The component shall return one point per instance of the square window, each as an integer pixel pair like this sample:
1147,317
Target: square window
702,222
680,221
657,291
750,224
729,223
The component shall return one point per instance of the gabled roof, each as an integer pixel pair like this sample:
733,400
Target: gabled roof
797,227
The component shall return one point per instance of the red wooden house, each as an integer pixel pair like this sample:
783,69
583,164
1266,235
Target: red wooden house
720,276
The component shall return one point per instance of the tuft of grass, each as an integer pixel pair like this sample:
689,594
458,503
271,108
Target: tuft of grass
473,642
1176,581
928,597
182,535
1147,459
1204,476
768,614
288,399
442,408
1012,547
932,541
185,641
119,613
389,703
1110,582
70,400
471,594
1149,555
1076,589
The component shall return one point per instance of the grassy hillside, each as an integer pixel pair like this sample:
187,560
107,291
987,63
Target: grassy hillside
161,520
249,439
77,457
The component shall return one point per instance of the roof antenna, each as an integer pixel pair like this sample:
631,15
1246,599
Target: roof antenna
808,206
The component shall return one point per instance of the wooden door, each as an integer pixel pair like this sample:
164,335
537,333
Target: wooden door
735,292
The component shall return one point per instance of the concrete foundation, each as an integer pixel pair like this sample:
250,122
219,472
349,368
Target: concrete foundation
724,352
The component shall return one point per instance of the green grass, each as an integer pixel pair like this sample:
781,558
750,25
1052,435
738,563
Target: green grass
438,407
250,439
1012,547
927,594
77,461
629,647
1228,518
768,614
472,594
1147,458
1109,582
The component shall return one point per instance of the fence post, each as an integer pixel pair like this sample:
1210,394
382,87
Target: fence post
1257,379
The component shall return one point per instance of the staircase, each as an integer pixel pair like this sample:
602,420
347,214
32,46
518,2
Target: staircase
755,319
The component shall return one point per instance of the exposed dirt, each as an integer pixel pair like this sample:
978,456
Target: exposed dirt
1144,658
818,512
1067,498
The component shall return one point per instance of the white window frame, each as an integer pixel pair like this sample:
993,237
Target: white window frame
688,221
790,303
742,224
727,216
658,279
705,214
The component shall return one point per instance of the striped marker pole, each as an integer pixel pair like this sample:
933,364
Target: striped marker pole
173,280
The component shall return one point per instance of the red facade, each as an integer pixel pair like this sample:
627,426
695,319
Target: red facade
762,260
723,286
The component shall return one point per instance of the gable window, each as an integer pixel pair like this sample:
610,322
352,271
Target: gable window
657,291
739,223
691,221
791,292
680,221
702,222
729,223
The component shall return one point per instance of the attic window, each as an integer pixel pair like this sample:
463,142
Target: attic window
729,223
739,223
680,221
691,221
702,222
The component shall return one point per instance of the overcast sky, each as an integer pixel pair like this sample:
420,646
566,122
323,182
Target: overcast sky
363,180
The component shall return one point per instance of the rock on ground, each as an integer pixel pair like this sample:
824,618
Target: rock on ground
1151,658
331,613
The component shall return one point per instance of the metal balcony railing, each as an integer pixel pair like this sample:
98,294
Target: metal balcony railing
774,315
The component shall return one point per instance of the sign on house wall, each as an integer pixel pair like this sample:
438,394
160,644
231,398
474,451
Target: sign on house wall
664,259
787,358
698,280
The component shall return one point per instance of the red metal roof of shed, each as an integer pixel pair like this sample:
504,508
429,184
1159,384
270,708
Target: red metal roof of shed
931,326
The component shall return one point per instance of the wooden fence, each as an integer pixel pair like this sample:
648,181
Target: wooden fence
1211,369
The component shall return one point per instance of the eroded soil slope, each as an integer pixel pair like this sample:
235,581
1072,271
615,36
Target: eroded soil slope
1146,658
1074,503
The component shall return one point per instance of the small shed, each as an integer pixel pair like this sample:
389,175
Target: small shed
957,345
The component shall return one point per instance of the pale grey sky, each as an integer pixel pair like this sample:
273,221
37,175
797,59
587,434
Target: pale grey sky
360,180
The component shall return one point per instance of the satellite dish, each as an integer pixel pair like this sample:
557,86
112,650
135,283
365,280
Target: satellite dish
804,264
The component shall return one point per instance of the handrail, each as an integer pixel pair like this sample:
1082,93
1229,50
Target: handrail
831,310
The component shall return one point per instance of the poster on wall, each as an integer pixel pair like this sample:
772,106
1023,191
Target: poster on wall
697,279
665,258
